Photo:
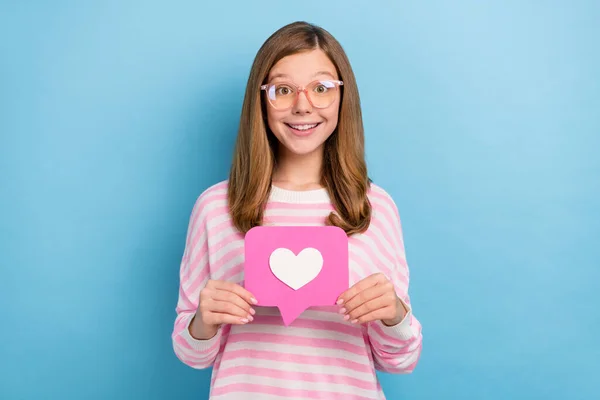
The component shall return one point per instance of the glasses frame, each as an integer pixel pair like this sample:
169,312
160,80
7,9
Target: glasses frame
299,89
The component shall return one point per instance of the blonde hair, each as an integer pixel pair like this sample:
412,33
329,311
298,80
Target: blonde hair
344,168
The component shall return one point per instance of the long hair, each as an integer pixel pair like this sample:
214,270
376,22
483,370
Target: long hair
344,173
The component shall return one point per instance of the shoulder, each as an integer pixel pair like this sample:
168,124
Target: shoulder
384,211
212,199
214,191
385,217
381,201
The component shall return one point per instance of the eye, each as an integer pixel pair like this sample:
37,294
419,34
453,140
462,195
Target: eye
321,89
283,90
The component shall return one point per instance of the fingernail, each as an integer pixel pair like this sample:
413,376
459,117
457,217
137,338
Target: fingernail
342,310
354,321
252,311
346,317
253,300
244,320
339,302
250,318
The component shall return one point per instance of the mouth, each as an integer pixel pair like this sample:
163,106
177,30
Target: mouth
303,129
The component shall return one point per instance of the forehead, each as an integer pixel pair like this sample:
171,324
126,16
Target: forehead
304,67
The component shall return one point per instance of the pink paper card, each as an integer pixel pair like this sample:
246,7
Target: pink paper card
296,267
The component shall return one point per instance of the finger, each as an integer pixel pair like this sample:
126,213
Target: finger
377,314
237,289
222,318
225,307
357,288
363,297
383,301
229,297
360,286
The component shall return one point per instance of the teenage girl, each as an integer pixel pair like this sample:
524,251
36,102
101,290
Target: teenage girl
298,160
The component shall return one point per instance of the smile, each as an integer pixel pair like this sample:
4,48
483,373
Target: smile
303,127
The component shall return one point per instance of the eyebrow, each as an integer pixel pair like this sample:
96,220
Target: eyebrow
323,73
275,76
280,75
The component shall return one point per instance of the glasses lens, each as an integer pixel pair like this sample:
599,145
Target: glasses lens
282,95
322,93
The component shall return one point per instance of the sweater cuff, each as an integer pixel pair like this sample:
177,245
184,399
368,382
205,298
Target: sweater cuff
403,328
199,344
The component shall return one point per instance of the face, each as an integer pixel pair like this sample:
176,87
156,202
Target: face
303,128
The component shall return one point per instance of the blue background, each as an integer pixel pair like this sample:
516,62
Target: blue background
482,120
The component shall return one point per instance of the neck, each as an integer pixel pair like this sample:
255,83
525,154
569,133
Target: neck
298,172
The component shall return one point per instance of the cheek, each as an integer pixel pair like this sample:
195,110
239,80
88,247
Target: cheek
273,118
332,114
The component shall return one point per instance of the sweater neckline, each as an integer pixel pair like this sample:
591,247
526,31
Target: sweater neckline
279,194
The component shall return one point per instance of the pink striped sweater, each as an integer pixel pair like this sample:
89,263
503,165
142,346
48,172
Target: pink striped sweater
319,356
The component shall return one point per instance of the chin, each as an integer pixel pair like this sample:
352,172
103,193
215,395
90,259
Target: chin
302,144
302,149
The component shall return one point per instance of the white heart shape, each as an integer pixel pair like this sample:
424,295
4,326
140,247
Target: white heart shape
296,271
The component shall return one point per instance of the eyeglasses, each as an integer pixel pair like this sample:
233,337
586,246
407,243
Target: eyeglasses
284,95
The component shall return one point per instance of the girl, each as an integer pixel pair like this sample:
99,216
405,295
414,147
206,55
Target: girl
298,160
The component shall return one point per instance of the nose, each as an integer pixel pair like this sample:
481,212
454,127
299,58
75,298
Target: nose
302,105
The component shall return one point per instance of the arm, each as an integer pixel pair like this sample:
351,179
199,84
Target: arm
199,350
381,302
393,333
396,346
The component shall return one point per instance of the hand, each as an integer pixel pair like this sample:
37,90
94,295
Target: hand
370,299
221,302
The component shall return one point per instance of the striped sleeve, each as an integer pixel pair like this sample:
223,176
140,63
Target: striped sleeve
396,349
193,275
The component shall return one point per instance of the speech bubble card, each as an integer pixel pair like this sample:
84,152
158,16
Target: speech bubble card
296,267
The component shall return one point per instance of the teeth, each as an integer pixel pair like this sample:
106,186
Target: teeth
303,127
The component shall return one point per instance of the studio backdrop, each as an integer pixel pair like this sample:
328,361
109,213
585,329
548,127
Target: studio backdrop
481,120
